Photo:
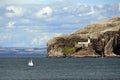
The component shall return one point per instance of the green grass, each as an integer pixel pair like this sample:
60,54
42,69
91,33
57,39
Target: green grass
69,50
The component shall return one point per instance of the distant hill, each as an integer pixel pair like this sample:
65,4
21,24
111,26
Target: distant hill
22,52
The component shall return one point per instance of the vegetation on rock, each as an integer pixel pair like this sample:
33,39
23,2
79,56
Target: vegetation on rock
68,50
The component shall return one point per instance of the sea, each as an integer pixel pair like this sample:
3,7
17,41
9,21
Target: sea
14,67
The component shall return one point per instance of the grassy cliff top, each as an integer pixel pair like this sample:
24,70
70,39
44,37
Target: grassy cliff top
95,29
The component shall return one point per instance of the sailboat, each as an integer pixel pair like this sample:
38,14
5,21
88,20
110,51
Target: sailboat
30,63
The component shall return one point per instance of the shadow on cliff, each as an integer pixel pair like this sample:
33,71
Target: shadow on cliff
116,50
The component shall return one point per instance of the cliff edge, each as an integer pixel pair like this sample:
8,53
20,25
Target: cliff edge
101,39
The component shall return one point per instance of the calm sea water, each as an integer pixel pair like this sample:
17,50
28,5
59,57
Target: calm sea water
13,68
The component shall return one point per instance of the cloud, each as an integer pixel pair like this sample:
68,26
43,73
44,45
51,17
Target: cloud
37,40
92,11
13,11
25,20
4,36
44,12
31,30
65,8
89,13
41,40
119,6
27,1
100,6
10,24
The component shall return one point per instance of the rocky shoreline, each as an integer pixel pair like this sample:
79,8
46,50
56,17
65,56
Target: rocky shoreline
100,39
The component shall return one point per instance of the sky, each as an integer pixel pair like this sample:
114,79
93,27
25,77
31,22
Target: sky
52,1
31,23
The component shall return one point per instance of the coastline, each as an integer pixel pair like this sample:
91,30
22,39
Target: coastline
90,56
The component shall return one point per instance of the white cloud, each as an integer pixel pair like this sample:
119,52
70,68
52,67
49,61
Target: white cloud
57,34
92,11
43,38
4,36
31,30
27,1
44,12
25,20
10,24
14,11
65,8
119,6
40,40
100,6
37,40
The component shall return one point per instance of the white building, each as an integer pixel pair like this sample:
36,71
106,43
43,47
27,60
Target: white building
84,43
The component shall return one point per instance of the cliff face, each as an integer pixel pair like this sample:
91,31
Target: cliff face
104,36
109,46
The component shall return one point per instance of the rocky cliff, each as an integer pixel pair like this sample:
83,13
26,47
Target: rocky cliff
104,41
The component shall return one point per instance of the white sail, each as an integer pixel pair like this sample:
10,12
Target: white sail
30,63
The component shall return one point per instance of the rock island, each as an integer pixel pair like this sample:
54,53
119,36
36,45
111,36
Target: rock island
101,39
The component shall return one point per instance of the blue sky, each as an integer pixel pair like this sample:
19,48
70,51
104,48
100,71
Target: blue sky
52,1
31,23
